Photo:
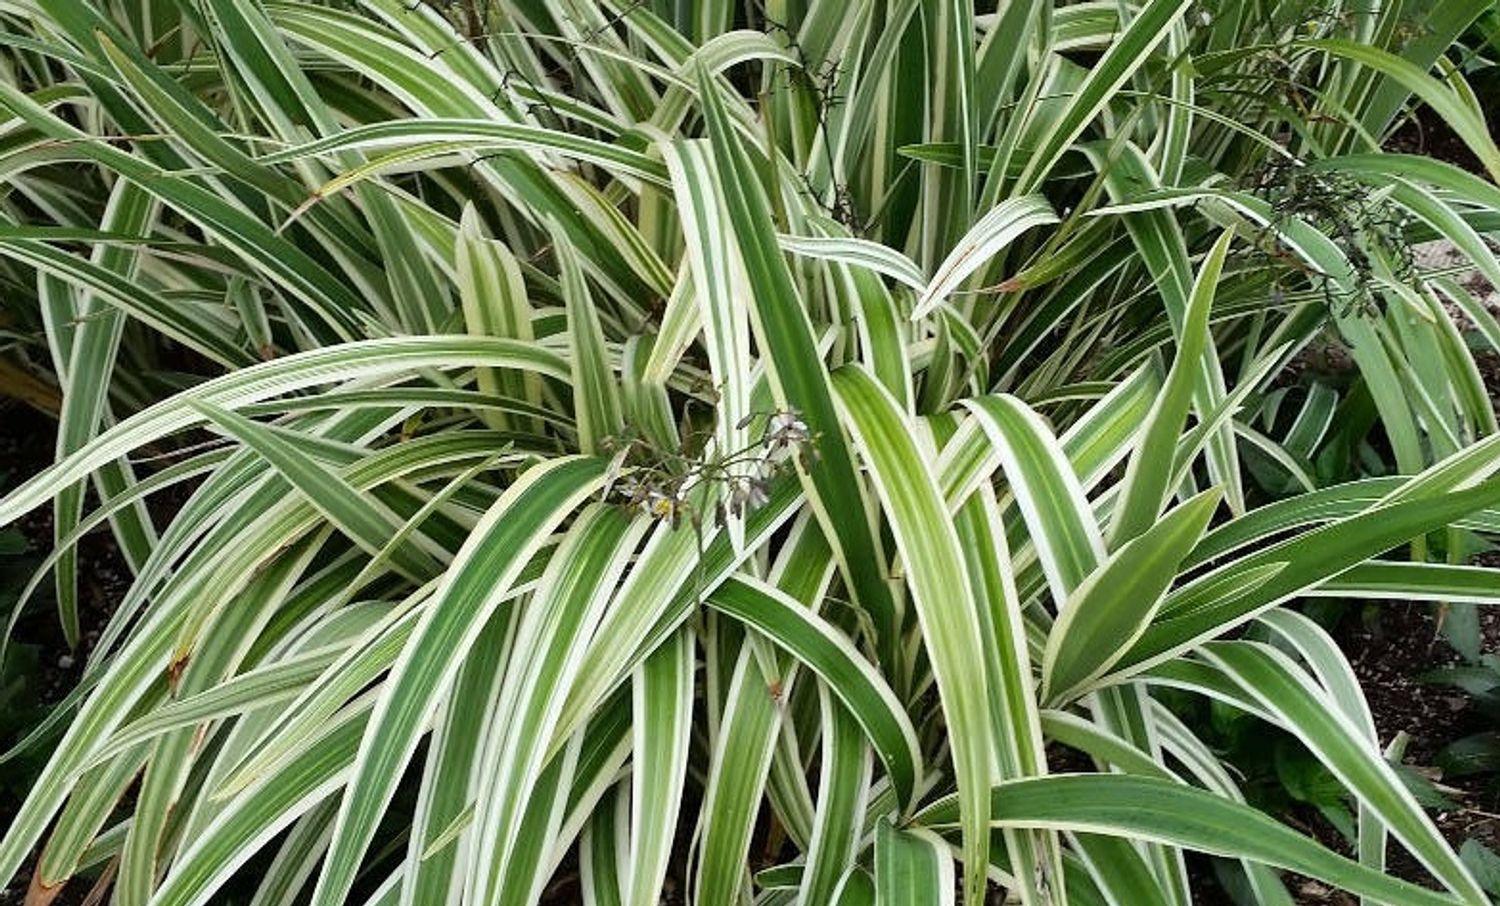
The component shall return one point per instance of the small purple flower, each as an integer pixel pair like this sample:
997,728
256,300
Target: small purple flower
785,432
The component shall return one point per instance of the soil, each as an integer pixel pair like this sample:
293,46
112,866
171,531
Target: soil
1391,646
26,447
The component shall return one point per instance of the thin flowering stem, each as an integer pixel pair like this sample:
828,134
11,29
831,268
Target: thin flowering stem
662,483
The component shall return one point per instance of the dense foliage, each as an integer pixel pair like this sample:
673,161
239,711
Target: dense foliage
775,451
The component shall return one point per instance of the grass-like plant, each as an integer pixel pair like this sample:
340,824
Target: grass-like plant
733,443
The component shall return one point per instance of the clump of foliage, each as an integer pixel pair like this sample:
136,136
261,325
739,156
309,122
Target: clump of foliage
732,448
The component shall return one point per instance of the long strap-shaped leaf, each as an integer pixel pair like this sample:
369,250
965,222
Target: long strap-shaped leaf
737,777
843,786
719,282
1127,54
1165,811
1467,122
354,670
671,576
441,841
1161,244
330,300
661,727
447,135
745,768
254,688
879,258
912,867
1070,547
493,298
1279,686
1214,603
1391,580
945,606
1148,477
596,395
827,652
367,522
208,337
552,636
799,380
260,812
1019,746
993,232
86,370
367,358
1110,610
477,581
1328,664
1047,490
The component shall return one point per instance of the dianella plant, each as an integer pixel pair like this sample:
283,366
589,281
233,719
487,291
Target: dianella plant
627,451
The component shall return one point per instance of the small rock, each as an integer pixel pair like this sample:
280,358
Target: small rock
65,662
1313,889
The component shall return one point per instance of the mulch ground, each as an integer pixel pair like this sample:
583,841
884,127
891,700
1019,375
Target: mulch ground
1390,653
27,440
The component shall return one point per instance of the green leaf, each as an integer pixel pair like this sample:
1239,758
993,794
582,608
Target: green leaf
946,610
662,691
1207,607
1112,608
476,583
1149,475
823,649
1467,122
596,398
365,521
1284,690
991,233
797,375
912,867
1148,808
